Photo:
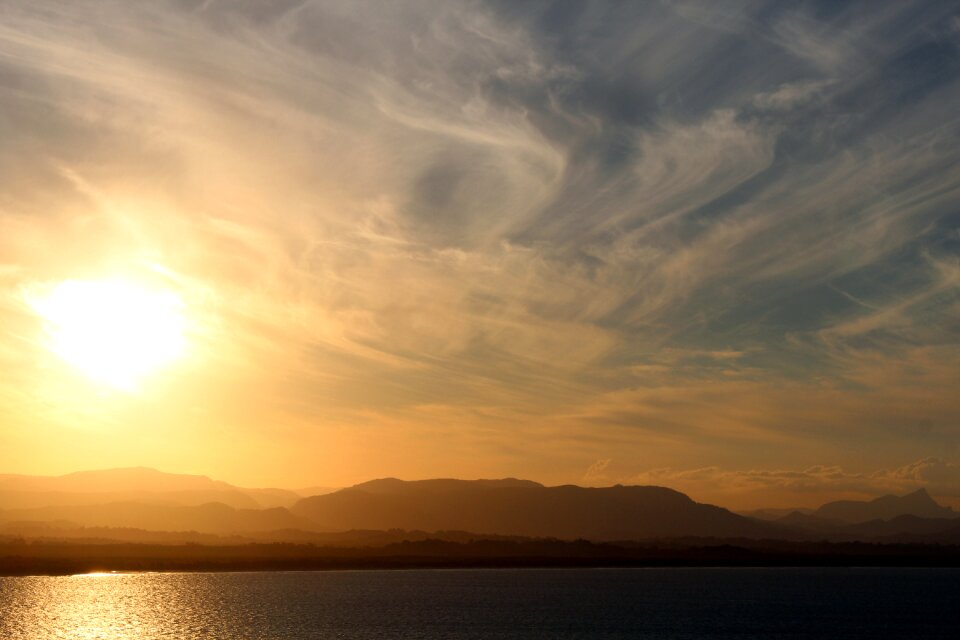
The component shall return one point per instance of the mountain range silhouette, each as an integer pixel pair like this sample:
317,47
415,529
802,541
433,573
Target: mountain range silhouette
102,503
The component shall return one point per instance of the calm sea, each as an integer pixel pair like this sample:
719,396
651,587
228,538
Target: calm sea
521,603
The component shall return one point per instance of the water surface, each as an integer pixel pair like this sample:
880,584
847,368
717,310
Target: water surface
509,603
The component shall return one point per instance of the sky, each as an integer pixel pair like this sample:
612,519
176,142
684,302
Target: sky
711,246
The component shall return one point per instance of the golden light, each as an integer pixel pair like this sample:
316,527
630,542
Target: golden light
115,332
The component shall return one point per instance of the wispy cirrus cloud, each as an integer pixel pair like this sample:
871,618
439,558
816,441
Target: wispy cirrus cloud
686,231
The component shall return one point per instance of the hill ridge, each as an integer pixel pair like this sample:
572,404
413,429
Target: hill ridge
514,507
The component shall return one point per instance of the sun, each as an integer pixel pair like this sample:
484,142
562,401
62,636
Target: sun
115,332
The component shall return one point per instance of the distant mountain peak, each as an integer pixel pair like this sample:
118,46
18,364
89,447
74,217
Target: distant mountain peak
140,478
143,472
919,495
917,503
124,484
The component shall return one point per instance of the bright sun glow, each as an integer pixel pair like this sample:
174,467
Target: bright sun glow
115,332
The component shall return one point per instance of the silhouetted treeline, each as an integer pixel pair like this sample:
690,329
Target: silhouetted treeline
46,558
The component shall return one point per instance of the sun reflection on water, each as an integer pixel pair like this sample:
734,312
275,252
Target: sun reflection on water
98,606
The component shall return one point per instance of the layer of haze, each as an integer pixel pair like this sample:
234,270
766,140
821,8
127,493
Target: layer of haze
707,245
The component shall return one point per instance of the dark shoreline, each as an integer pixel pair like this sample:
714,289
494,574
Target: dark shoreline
66,558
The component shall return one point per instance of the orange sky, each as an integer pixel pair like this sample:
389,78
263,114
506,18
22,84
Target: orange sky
461,239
